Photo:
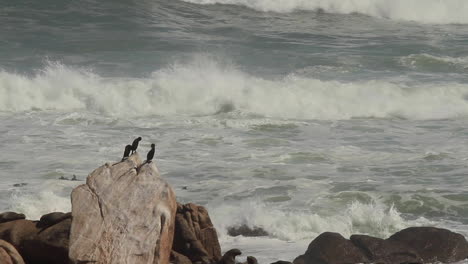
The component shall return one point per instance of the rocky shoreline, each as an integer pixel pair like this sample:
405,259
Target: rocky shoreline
126,213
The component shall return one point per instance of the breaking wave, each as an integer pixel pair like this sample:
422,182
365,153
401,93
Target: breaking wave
206,87
424,11
358,218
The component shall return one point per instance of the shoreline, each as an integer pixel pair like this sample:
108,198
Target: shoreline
190,235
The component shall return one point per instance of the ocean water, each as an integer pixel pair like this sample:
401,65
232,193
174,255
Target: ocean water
295,116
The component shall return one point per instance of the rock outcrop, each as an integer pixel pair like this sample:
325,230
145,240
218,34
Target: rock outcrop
195,237
38,245
433,244
11,216
124,214
412,245
384,251
8,254
333,248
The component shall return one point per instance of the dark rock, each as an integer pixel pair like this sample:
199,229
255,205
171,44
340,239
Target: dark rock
20,184
251,260
281,262
299,260
332,248
383,251
11,216
178,258
52,219
230,256
38,245
246,231
433,244
195,237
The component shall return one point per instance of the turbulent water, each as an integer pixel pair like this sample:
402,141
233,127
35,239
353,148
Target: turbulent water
295,116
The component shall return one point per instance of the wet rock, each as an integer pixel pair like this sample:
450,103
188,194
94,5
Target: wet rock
9,254
11,216
124,214
433,244
332,248
299,260
281,262
195,237
178,258
230,256
38,245
251,260
246,231
52,219
386,252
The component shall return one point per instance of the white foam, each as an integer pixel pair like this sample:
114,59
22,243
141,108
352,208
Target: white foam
49,196
373,219
203,86
425,11
420,60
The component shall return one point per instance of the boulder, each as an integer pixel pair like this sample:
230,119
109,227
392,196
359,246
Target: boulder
433,244
385,252
38,245
244,230
8,254
124,214
251,260
230,256
10,216
195,236
178,258
53,218
332,248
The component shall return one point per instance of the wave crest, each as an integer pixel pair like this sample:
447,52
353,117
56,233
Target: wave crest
205,87
424,11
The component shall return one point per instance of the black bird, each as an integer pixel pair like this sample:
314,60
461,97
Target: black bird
135,144
150,155
128,148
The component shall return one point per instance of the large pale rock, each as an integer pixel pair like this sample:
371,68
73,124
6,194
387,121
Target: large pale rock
8,254
124,214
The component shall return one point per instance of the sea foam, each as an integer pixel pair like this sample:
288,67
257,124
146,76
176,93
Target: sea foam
373,218
206,87
424,11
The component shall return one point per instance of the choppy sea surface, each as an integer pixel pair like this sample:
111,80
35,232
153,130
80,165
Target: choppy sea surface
295,116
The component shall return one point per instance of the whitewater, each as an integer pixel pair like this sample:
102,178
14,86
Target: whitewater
298,117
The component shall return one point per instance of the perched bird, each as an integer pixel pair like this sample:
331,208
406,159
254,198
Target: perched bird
150,155
135,144
128,148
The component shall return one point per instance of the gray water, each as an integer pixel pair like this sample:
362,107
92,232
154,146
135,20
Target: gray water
299,118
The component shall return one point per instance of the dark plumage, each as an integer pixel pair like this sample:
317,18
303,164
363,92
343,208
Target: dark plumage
128,148
150,155
135,144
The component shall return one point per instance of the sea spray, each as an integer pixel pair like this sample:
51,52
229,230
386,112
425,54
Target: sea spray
372,218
